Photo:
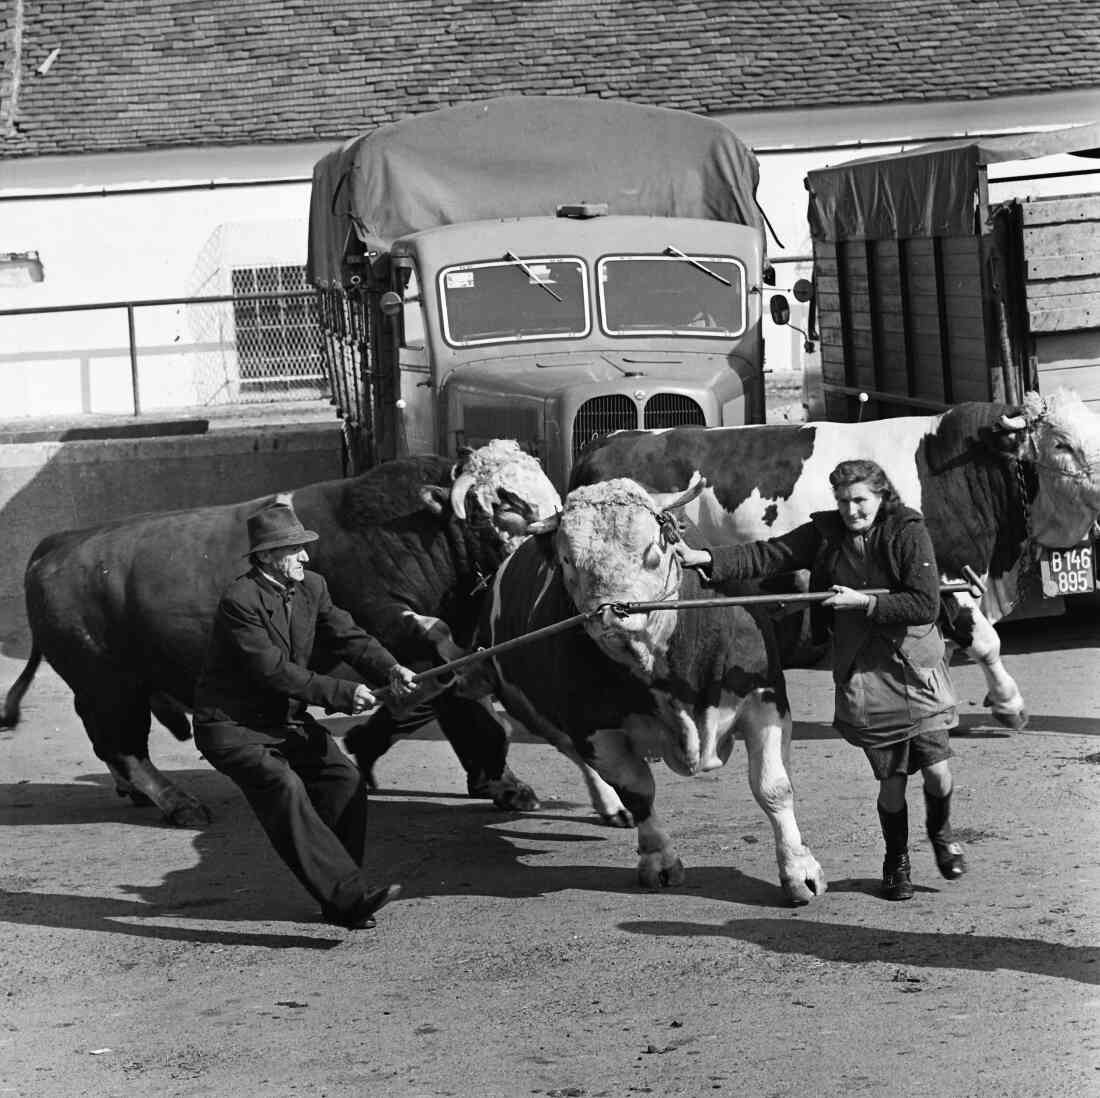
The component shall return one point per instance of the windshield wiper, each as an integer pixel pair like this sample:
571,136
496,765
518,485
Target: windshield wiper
512,257
670,250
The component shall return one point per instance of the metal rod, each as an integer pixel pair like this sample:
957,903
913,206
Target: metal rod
627,608
169,188
134,381
92,306
973,585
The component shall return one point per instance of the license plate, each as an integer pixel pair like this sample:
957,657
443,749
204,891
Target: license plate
1068,571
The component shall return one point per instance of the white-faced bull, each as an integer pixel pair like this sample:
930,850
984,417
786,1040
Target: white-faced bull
994,482
122,611
633,687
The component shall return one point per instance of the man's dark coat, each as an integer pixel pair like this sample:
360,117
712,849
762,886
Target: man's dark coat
256,671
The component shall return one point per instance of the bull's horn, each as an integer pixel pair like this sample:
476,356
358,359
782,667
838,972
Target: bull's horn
1016,423
545,525
694,488
458,494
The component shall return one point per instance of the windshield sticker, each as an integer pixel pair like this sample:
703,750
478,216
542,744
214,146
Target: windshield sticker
539,272
460,280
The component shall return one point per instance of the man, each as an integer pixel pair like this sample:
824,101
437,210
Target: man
251,721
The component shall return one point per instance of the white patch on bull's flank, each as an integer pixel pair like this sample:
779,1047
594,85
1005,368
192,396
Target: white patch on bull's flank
892,443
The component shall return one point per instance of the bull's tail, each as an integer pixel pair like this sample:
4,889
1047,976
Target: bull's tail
9,715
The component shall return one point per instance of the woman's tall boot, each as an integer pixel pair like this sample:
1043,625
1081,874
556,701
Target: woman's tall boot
949,855
896,884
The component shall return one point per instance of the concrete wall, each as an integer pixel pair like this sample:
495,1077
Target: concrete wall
51,486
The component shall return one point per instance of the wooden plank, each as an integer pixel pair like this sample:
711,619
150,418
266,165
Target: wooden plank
1046,240
1083,380
1066,300
962,264
1071,319
919,246
1055,288
965,310
1063,350
1049,211
1064,266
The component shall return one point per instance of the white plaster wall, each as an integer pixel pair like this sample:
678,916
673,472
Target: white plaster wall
137,247
142,246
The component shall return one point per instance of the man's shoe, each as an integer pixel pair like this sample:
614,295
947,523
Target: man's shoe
361,916
896,884
949,860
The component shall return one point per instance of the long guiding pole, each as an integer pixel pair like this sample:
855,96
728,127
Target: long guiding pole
624,609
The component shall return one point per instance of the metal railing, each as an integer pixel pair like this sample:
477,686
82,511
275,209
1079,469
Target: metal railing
222,349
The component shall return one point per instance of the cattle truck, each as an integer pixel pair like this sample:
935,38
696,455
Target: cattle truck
547,269
937,281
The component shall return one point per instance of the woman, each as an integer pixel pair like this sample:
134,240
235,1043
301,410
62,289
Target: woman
893,695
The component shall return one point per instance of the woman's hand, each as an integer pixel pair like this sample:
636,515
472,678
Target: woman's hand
691,558
847,599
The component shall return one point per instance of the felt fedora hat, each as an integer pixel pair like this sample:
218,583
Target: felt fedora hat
276,527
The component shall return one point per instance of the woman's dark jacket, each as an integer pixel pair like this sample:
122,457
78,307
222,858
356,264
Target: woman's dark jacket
888,661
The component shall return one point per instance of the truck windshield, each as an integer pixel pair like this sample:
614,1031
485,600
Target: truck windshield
677,294
513,299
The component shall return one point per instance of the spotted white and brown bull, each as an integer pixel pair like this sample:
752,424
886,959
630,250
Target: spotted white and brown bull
122,611
994,483
630,688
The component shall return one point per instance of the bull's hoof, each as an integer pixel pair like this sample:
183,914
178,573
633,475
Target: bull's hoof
1014,717
507,792
657,871
517,798
621,818
192,815
802,889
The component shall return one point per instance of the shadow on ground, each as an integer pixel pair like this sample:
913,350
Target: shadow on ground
849,944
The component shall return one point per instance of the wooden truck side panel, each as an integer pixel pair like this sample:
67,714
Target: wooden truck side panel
1061,245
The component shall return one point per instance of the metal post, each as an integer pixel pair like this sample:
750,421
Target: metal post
134,383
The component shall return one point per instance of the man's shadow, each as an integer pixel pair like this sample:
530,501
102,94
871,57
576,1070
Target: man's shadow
435,844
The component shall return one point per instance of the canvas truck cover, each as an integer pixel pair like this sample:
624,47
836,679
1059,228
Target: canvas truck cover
524,156
925,191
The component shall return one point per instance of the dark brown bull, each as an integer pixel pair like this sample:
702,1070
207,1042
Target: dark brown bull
122,611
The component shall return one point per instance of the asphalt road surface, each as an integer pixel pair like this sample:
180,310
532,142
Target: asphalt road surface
523,959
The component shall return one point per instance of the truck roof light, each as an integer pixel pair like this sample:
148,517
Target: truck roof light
582,210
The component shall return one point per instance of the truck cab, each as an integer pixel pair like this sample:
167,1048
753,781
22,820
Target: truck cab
555,330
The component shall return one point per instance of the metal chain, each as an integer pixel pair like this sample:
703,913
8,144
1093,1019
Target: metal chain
1026,574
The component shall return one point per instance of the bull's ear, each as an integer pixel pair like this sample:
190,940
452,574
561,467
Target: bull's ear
652,556
434,497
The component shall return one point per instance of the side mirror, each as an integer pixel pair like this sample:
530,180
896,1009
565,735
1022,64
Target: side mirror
803,290
780,309
390,303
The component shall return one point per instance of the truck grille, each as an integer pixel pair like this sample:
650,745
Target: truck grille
673,410
602,415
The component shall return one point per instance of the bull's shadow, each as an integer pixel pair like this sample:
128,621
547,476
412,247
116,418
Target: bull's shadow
442,845
435,844
856,945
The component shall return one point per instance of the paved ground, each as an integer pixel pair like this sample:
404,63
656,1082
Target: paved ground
523,960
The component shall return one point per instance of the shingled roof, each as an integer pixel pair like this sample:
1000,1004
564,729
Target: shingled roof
146,74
